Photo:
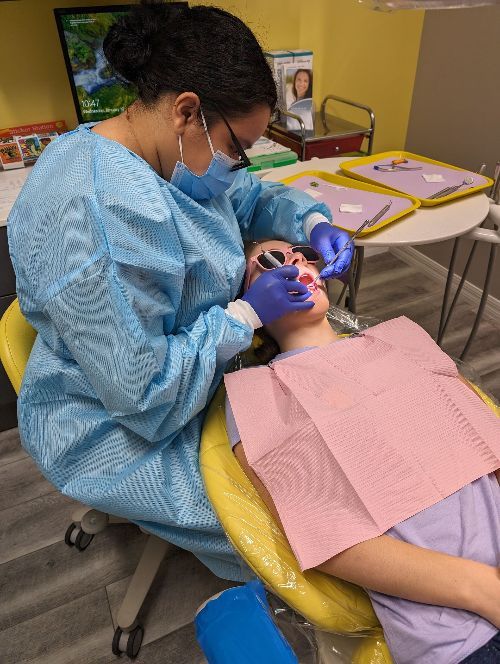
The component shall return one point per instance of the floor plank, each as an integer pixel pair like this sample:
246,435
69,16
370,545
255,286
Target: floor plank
390,288
31,526
45,579
168,606
79,632
10,447
179,647
20,482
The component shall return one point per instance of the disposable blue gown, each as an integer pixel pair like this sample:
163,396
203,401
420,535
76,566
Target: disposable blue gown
126,280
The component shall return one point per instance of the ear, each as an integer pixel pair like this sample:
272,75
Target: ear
185,112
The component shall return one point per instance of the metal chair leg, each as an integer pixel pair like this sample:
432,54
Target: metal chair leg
446,315
482,304
354,278
351,300
458,291
447,290
152,556
360,254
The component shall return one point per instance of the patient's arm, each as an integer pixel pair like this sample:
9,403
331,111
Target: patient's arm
404,570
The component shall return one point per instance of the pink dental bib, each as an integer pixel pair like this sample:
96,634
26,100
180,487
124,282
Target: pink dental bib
352,438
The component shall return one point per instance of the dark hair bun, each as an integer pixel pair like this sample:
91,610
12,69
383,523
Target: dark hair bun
163,48
129,44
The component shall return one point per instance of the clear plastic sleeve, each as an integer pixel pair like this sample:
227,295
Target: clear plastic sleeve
341,321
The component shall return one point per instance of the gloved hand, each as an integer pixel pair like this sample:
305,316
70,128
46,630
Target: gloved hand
274,294
327,240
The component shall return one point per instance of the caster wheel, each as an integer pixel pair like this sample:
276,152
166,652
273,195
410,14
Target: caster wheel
128,642
76,537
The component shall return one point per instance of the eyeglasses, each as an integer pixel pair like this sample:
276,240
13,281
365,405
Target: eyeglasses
244,160
310,255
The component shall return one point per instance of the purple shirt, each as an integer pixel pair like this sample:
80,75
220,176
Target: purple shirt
466,524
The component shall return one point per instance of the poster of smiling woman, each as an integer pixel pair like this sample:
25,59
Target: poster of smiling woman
298,83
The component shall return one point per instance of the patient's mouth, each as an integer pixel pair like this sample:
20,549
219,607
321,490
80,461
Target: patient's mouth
307,279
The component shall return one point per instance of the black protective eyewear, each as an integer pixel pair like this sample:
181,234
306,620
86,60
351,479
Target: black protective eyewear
244,160
309,254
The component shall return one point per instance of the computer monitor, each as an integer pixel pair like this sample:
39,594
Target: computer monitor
97,92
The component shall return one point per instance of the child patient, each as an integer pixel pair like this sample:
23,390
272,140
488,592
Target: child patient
434,578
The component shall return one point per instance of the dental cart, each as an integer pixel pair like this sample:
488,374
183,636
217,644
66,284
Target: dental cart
331,136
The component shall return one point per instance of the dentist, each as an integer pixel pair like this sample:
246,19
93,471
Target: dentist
127,242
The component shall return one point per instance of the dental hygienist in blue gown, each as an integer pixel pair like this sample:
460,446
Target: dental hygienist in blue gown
127,242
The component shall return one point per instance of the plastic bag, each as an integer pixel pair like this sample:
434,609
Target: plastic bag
341,321
247,624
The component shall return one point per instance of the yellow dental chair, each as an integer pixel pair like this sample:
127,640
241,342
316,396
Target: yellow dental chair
332,606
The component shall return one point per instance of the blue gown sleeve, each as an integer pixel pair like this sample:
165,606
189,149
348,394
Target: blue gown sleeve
271,209
117,318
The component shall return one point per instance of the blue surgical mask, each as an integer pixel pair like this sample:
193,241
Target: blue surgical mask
217,178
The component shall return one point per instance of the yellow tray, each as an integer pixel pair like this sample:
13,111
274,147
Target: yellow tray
372,197
348,166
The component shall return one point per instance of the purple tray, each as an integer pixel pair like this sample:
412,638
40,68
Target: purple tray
372,202
412,182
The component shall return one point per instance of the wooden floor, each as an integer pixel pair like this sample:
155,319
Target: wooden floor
57,605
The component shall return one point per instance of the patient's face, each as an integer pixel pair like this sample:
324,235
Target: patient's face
307,273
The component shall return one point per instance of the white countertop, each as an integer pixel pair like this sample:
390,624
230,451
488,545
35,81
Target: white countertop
423,226
11,183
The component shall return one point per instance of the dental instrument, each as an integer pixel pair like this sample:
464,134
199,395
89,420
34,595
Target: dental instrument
366,224
274,261
450,190
395,165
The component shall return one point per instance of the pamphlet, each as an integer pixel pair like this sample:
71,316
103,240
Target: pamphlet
30,147
10,154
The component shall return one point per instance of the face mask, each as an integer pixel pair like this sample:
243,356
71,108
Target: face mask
217,178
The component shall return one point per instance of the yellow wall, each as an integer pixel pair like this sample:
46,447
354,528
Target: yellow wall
360,54
34,84
368,56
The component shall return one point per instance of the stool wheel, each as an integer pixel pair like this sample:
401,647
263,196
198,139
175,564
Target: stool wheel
77,537
127,642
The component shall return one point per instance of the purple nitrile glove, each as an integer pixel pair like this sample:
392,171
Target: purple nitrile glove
327,240
275,294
